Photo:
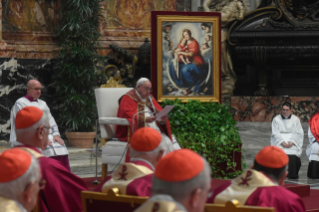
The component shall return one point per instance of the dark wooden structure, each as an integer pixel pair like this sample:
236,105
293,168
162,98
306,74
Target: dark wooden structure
275,49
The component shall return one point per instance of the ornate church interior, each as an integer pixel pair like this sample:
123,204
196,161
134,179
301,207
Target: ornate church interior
230,85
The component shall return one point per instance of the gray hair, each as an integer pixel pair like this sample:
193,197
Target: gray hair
29,132
15,187
181,190
161,146
141,81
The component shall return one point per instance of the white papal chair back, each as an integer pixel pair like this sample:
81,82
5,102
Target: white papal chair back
107,106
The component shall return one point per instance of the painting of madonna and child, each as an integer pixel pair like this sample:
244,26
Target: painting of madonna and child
188,59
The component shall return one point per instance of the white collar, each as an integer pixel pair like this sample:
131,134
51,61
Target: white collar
141,159
20,206
139,96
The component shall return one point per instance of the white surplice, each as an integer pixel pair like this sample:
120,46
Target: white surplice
287,130
56,148
312,151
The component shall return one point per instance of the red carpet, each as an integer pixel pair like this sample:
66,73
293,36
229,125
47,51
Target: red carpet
309,196
311,202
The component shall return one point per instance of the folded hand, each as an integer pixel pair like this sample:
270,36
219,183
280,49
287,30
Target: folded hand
57,138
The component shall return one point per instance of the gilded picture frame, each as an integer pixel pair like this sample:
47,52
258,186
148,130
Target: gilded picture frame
186,61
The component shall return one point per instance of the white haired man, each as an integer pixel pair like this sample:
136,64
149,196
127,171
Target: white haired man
139,100
20,181
55,148
287,134
63,189
135,177
181,182
262,184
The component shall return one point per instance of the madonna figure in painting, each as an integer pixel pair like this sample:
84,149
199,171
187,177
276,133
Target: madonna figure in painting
188,70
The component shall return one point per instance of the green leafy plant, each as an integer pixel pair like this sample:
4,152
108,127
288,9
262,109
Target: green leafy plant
78,35
210,130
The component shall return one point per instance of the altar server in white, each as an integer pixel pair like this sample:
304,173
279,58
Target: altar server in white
287,133
313,147
56,147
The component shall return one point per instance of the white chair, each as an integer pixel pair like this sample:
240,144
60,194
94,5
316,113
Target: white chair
113,152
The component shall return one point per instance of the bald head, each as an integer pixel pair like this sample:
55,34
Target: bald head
34,88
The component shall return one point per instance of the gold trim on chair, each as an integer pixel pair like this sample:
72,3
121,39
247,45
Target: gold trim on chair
113,195
112,83
233,206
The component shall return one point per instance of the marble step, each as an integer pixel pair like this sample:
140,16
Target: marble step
83,162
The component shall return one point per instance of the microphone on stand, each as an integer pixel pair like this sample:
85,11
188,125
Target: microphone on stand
150,112
144,111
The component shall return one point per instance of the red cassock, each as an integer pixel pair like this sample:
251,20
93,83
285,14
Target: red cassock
62,192
133,180
129,105
253,188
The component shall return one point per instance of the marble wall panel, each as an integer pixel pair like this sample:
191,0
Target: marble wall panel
128,23
134,14
29,15
14,74
264,109
27,29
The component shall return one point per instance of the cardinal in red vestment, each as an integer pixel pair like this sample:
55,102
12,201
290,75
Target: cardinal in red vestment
181,182
260,186
135,177
63,189
20,181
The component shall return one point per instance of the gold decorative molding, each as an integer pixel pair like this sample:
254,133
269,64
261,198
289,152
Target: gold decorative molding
112,83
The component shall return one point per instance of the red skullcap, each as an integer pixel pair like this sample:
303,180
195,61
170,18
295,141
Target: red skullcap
272,157
179,165
27,117
14,163
145,139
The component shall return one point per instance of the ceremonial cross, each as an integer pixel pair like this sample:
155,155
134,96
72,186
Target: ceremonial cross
156,207
246,179
123,174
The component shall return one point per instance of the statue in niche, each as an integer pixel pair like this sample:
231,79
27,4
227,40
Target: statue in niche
230,10
120,64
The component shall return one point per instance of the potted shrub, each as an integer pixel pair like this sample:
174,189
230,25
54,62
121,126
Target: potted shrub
74,89
210,130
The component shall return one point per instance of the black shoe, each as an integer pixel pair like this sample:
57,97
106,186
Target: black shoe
293,178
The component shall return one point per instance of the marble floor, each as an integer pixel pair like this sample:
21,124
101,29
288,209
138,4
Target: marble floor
256,135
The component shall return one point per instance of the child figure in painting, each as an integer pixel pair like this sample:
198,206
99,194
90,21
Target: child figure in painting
182,47
207,38
205,46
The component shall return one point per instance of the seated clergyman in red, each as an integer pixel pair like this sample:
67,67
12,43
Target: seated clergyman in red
135,177
261,185
63,189
20,181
